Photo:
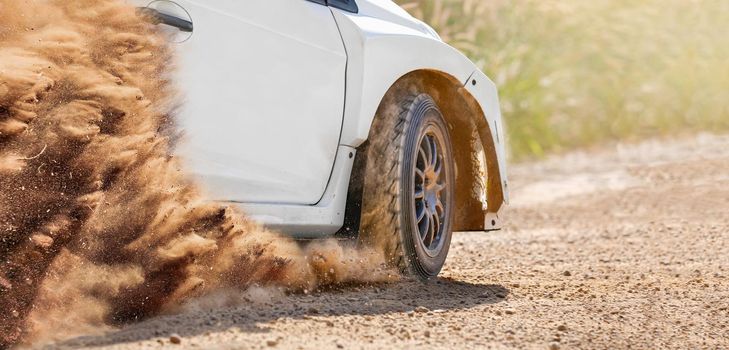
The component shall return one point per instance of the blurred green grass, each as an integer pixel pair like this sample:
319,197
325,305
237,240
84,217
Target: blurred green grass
573,73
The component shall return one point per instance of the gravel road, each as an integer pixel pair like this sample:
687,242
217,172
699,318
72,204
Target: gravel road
622,247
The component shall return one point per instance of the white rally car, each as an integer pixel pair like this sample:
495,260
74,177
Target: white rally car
338,117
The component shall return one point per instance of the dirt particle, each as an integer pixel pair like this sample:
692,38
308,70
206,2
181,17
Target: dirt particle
271,342
567,273
5,284
42,241
562,328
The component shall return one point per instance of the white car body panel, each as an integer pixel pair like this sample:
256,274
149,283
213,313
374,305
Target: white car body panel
380,52
296,89
263,109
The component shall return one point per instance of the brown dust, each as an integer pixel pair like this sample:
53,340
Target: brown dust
99,225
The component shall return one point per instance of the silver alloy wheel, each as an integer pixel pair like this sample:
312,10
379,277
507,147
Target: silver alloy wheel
430,190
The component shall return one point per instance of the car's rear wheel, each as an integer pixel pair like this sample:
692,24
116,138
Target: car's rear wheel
408,189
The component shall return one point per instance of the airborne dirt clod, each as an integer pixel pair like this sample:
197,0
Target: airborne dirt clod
98,224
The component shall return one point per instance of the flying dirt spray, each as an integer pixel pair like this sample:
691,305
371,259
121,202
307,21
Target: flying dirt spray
98,223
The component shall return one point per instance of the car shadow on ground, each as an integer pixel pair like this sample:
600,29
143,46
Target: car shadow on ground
437,296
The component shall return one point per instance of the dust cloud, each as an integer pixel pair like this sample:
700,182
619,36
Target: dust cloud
99,225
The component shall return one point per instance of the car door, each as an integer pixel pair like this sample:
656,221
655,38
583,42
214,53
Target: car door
263,86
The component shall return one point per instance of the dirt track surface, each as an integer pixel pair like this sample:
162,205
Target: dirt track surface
625,247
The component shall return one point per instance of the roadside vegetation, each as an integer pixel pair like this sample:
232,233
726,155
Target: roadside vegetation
572,73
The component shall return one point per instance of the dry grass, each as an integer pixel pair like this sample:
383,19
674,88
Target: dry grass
573,73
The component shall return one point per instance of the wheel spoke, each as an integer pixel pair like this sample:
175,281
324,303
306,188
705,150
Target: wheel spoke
419,173
431,231
425,146
439,207
424,227
433,151
422,156
436,225
438,170
421,215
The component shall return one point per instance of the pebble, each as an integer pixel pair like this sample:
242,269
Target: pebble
554,346
404,333
562,328
567,273
175,339
421,309
272,343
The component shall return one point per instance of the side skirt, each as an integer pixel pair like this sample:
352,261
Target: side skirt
310,221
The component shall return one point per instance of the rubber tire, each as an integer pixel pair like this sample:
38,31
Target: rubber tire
387,199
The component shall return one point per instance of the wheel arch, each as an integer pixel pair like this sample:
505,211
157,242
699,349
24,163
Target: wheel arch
479,192
386,58
478,177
